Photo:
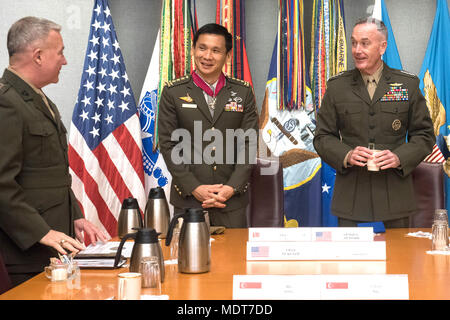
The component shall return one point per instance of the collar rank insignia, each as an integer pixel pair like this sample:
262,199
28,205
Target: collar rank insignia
187,98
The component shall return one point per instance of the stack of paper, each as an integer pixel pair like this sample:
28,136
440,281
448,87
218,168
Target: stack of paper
102,255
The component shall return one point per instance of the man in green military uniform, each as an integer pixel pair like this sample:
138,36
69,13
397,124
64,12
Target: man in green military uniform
373,105
217,118
38,210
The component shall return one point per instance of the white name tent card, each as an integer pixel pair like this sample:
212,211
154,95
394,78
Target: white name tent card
312,243
320,287
290,250
308,234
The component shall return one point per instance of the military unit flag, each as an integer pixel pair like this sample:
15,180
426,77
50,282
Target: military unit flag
287,119
231,15
328,58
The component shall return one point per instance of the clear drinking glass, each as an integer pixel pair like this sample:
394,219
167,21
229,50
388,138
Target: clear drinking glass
439,239
151,275
174,243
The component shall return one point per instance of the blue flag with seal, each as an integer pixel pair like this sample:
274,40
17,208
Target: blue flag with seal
435,82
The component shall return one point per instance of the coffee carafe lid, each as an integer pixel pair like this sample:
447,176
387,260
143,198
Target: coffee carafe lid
156,193
194,215
147,235
130,203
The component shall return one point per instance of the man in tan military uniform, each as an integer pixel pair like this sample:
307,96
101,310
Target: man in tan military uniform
373,104
38,210
204,105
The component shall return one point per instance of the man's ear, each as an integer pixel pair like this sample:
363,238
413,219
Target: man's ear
229,53
383,47
37,56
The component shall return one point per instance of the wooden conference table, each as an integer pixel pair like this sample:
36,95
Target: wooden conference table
429,275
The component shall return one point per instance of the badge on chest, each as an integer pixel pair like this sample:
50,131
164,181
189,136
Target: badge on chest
396,93
234,107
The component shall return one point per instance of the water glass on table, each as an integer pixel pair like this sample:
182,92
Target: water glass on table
439,238
151,275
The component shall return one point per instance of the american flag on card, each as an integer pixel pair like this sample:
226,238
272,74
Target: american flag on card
105,146
260,251
323,236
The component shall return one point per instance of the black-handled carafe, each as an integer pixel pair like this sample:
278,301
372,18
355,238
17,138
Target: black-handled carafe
194,249
157,214
129,217
146,244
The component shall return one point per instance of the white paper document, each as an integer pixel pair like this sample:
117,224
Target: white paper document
109,247
320,287
290,250
98,263
311,234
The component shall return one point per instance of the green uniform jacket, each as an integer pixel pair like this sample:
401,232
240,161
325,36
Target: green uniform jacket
349,118
183,106
35,192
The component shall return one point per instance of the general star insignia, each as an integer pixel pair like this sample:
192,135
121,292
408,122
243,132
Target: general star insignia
187,98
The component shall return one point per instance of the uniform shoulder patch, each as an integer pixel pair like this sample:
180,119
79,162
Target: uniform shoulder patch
239,81
405,73
3,87
340,74
178,81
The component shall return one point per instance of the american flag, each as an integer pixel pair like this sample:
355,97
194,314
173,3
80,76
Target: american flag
260,251
105,146
435,156
323,236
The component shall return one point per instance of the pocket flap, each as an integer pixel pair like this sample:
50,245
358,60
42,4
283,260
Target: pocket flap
40,129
399,108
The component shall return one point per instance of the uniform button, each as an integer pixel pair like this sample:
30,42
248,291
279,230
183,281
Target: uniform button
372,113
179,192
214,148
372,126
215,168
213,128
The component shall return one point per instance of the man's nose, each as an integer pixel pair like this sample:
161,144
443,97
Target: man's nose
208,54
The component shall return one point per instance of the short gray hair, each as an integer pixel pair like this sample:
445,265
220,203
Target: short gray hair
28,30
381,27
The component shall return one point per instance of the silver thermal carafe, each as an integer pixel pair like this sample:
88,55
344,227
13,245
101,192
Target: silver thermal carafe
129,217
146,244
157,215
194,249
